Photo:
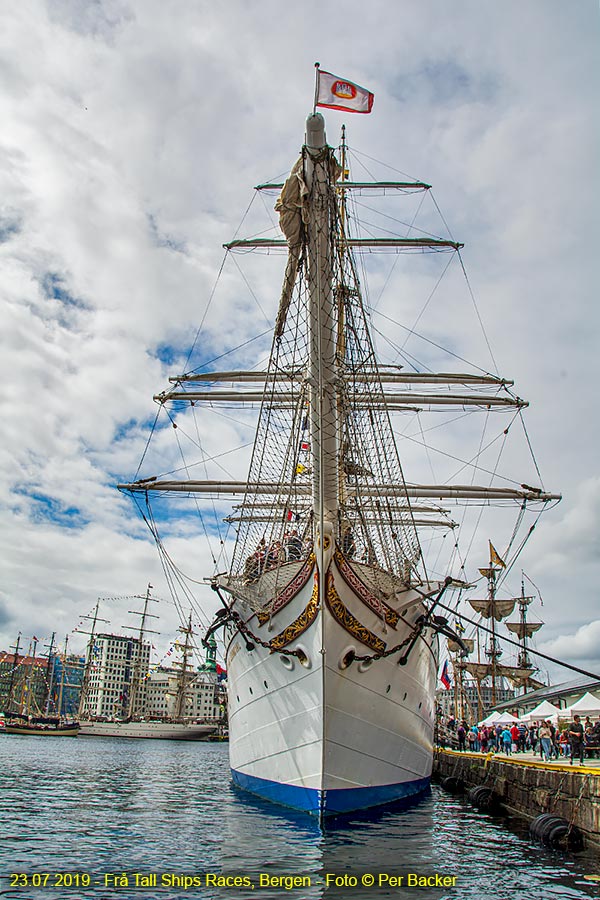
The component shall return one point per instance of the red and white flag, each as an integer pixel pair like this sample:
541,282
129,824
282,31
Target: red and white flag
337,93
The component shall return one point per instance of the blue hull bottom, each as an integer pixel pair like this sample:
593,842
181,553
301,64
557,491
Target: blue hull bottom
324,804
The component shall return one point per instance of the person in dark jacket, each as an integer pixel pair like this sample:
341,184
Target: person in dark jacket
576,738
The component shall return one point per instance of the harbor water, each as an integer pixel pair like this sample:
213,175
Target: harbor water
107,818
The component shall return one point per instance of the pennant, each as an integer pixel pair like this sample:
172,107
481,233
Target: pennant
444,677
459,627
305,445
338,93
290,515
494,558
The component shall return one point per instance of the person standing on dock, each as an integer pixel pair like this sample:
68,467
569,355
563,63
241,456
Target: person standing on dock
545,736
576,736
507,741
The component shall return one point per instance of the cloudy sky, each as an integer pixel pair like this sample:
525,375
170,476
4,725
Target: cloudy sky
132,134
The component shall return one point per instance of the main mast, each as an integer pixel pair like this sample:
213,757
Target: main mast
319,169
132,698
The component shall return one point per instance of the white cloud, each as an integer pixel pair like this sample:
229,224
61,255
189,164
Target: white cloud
131,136
583,644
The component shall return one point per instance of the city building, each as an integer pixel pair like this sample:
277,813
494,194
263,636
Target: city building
562,695
116,676
476,704
66,677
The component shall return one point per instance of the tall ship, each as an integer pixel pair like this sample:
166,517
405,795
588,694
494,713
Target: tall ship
115,698
24,714
493,678
330,614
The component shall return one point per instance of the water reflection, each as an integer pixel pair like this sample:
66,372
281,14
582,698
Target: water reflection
111,806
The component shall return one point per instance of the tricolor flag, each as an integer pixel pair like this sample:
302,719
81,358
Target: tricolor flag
221,673
444,677
494,558
338,93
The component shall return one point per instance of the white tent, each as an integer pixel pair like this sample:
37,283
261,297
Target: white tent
491,719
588,705
544,710
506,719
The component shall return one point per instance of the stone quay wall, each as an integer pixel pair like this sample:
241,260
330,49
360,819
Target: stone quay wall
528,789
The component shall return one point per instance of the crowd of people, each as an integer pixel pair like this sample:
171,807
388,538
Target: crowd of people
292,547
543,738
267,557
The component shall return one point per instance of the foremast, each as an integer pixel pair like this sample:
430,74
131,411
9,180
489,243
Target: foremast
320,172
323,370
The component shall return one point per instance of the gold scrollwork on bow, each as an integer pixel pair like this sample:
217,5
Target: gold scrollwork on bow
379,607
301,623
350,623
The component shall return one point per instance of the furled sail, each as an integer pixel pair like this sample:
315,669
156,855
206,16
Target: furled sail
497,609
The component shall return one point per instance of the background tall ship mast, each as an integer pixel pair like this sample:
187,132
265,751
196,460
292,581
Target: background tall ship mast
489,670
328,609
129,659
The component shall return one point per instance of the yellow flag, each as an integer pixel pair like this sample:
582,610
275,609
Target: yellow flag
494,558
300,469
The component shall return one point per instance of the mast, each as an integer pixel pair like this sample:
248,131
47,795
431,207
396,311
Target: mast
11,683
319,166
28,683
134,684
85,683
496,610
49,674
182,686
493,651
62,678
524,630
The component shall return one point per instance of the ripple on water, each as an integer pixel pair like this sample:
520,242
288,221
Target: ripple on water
116,805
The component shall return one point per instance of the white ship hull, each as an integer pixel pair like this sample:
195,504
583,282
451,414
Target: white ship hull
165,731
324,734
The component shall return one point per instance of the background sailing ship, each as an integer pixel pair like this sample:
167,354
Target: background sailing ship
33,699
488,678
329,604
122,697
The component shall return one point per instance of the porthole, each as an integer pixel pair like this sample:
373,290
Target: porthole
250,689
266,685
420,705
388,688
347,658
303,657
404,698
287,662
